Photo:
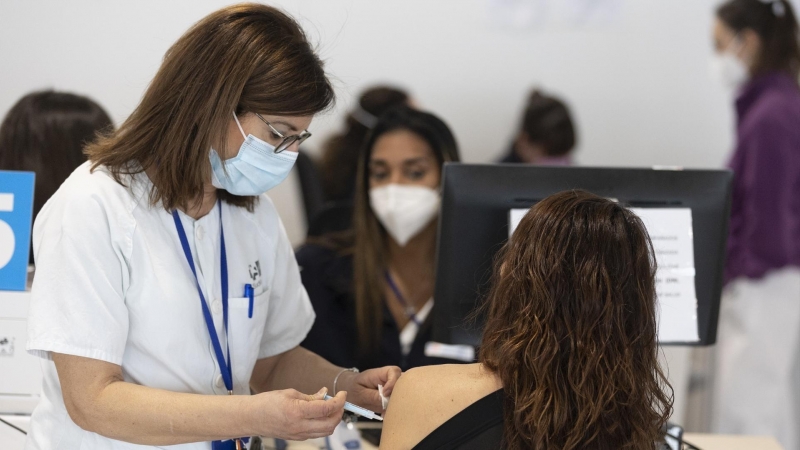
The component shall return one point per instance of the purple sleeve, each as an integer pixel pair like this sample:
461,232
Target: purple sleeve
764,210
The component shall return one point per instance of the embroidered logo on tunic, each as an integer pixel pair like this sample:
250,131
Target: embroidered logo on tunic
255,273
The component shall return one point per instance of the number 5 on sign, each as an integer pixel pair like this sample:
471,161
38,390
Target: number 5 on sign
16,208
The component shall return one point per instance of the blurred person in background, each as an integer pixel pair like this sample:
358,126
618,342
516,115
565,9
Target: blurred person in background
372,287
758,360
45,132
547,134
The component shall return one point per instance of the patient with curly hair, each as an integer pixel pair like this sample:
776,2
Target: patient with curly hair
569,356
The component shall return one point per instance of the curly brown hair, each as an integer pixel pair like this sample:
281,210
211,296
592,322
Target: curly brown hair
571,329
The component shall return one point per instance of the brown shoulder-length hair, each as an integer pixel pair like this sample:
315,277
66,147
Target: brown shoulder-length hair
571,329
370,255
243,58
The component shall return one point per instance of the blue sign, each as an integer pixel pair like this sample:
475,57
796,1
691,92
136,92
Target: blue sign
16,211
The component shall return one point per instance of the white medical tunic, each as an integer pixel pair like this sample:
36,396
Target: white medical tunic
112,283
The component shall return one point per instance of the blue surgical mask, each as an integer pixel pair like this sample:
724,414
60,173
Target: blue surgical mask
255,170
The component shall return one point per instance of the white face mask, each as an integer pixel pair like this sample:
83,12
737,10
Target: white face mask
727,68
404,210
254,170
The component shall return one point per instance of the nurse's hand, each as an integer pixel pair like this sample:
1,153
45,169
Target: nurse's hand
362,388
294,416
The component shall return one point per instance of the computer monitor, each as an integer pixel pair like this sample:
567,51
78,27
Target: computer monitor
477,201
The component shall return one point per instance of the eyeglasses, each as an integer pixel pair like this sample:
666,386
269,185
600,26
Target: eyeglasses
286,141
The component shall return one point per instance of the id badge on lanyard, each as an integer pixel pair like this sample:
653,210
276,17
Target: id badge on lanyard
224,363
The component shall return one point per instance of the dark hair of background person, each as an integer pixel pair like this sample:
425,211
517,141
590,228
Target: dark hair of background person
339,159
370,257
571,329
242,58
775,24
45,132
547,122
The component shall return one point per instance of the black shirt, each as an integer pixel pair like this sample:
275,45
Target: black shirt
479,426
328,278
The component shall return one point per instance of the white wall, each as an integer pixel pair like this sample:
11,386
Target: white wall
638,83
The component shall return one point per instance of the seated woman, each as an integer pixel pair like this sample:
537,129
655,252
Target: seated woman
546,136
372,287
568,359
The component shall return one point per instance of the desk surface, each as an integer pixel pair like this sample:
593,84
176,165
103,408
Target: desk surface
729,442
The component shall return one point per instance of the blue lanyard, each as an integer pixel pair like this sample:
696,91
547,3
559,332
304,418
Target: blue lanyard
410,313
224,367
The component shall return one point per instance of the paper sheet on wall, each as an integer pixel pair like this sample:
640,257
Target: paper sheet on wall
514,218
673,242
671,232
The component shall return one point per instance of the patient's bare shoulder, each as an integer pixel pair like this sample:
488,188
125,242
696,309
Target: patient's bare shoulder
426,397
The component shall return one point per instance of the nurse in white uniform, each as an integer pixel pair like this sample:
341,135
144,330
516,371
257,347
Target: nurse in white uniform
166,289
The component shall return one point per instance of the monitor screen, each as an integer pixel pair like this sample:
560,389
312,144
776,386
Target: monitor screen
685,211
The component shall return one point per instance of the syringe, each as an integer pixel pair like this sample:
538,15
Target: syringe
363,412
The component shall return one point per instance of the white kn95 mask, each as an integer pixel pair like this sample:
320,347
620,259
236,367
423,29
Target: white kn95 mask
404,210
728,70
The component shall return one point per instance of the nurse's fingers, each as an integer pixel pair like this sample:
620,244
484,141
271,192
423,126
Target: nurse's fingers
313,407
288,414
322,429
392,374
324,425
320,395
314,428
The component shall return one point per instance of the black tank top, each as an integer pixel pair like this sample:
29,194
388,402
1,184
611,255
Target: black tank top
478,427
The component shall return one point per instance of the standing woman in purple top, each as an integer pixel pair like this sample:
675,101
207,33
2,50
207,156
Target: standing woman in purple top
758,365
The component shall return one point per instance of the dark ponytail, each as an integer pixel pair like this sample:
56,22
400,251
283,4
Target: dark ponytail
775,23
